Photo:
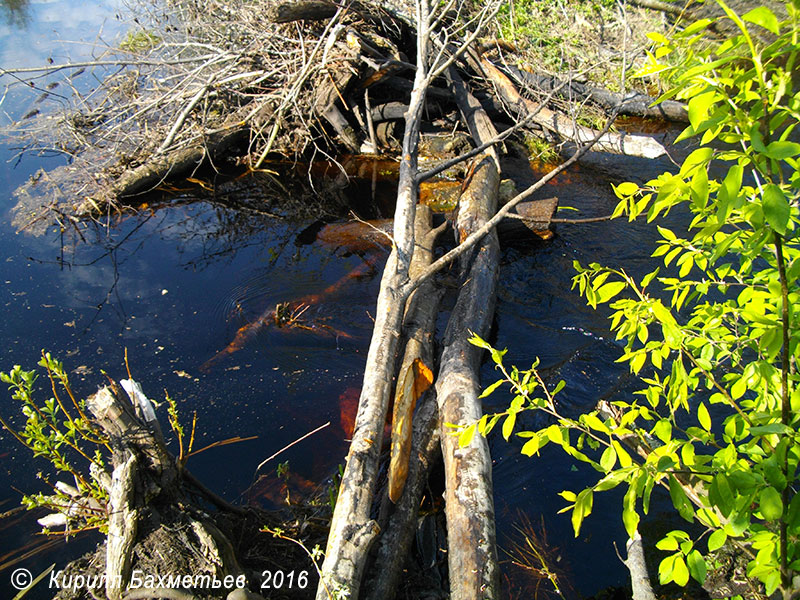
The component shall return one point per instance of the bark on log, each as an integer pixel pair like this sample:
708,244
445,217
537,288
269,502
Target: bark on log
325,103
395,542
633,104
157,170
305,10
420,321
352,529
640,580
472,554
145,488
632,145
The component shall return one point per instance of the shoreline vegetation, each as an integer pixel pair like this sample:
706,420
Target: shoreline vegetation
199,88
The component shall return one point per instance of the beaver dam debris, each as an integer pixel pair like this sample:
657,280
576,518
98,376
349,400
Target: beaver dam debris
238,83
234,82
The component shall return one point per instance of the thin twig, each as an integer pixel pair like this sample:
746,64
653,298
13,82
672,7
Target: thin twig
297,441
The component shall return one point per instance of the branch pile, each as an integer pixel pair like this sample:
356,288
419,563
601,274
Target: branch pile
213,83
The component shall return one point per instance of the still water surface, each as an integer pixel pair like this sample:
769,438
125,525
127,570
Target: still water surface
173,285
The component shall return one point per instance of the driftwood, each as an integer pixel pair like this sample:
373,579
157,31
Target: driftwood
633,104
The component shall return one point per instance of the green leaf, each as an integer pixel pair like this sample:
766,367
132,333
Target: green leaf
626,188
668,544
663,430
492,388
776,208
568,496
697,566
782,150
770,429
532,446
465,437
679,500
582,509
703,417
699,107
669,326
610,481
770,504
665,569
624,458
609,290
680,574
630,518
763,17
716,540
608,459
508,425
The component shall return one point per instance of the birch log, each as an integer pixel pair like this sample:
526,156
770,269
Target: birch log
472,554
352,530
393,547
564,127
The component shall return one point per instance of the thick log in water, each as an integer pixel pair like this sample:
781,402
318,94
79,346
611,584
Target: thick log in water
353,530
412,464
469,507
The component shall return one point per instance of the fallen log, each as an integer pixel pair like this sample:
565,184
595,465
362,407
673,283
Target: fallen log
304,10
157,169
564,127
412,454
469,507
633,104
353,530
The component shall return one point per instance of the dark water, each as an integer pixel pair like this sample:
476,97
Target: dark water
173,285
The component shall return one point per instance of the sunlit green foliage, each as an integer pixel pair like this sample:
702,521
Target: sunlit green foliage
59,431
713,340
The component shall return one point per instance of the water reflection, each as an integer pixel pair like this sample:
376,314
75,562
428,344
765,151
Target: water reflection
16,12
